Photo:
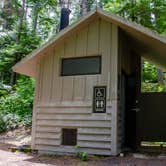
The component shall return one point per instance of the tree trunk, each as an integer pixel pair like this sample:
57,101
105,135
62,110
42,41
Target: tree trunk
7,13
160,77
84,7
65,3
21,21
35,16
21,15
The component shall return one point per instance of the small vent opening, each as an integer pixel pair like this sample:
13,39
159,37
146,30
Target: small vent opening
69,137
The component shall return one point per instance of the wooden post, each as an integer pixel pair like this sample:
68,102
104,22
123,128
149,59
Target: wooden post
35,107
114,88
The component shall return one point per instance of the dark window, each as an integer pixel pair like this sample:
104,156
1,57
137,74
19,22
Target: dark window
69,137
81,66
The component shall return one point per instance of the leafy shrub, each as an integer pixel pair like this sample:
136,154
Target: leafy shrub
2,124
82,155
149,73
11,121
153,87
150,81
4,89
16,107
8,121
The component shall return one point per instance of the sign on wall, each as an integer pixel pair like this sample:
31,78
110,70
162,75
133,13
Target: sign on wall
99,99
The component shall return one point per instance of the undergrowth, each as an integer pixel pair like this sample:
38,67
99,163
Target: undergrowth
16,106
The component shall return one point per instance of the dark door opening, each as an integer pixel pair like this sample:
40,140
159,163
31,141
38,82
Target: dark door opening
130,113
132,86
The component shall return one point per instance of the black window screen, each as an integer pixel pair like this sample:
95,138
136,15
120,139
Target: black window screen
81,66
69,137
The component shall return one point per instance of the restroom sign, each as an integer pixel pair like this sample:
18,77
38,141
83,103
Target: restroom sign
99,99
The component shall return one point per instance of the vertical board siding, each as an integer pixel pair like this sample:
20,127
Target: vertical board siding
92,49
46,78
95,39
81,50
114,62
69,51
114,87
94,130
105,50
36,99
91,81
81,42
39,81
120,110
57,80
79,88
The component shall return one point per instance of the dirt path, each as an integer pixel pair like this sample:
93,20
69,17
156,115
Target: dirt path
11,139
8,158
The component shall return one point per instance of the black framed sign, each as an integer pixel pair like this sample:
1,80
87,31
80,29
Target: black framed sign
99,99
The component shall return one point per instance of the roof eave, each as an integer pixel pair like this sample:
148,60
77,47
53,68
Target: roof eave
36,53
30,61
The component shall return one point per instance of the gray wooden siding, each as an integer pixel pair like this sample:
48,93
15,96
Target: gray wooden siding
66,102
94,130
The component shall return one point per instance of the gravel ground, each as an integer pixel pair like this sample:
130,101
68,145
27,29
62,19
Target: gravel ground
22,136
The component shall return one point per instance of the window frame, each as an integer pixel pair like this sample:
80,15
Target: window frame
79,74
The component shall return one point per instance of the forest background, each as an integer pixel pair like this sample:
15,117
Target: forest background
27,24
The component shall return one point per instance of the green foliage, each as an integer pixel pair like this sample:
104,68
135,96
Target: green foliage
153,87
84,156
31,22
149,74
150,79
11,51
16,107
81,155
4,89
8,121
2,123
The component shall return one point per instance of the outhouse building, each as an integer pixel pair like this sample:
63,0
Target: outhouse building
88,86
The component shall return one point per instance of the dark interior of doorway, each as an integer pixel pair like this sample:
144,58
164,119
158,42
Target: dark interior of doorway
130,109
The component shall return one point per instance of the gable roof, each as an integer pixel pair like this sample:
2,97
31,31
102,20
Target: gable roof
153,46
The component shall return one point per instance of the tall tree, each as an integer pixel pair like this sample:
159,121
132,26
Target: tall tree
83,7
6,14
